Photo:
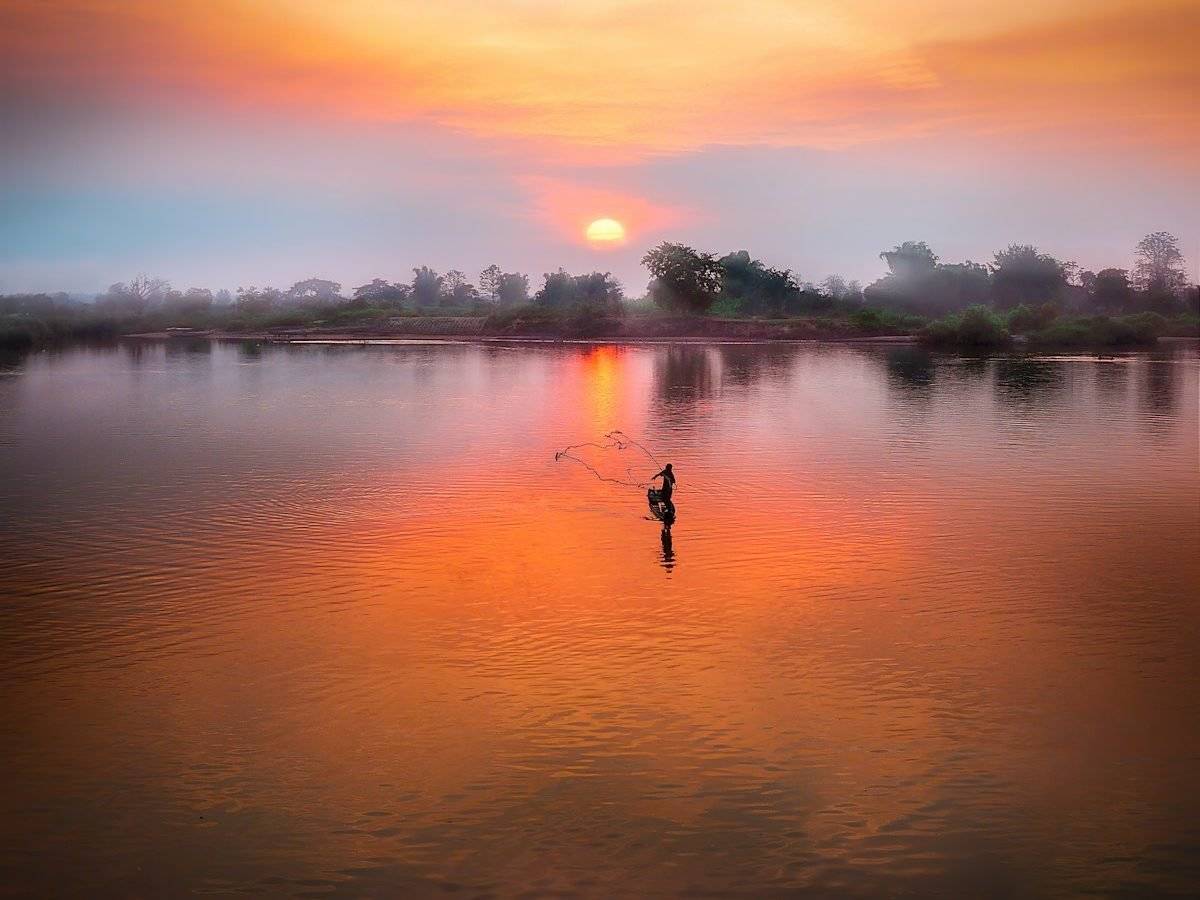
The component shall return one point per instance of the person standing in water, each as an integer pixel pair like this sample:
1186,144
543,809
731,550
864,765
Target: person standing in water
668,489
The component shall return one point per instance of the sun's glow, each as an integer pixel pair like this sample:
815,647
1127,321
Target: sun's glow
606,231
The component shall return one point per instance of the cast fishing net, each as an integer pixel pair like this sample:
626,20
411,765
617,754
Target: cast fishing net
613,459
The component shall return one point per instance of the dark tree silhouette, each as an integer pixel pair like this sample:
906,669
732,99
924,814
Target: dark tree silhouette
909,259
513,289
684,280
597,289
918,283
556,290
457,291
254,301
1159,266
135,296
1111,290
489,282
1023,274
748,286
315,290
379,291
426,286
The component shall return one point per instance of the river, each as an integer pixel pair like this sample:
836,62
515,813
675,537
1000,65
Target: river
332,620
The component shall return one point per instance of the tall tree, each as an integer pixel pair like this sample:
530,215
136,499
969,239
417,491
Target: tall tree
513,288
147,289
684,280
835,287
598,289
918,283
557,290
315,290
489,282
1111,290
135,296
751,287
909,259
381,291
1159,265
595,289
1023,274
426,286
457,291
252,300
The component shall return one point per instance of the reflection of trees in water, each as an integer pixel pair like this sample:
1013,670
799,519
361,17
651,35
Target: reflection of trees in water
1160,384
136,352
683,376
11,360
744,364
1111,380
251,350
973,368
911,369
1027,381
189,346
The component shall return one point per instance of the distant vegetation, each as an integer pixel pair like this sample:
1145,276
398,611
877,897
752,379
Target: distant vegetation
1023,293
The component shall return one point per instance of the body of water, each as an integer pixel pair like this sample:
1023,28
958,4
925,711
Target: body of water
331,620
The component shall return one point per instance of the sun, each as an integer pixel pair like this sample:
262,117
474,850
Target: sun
606,231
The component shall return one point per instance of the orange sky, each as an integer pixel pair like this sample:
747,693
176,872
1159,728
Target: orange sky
562,93
658,76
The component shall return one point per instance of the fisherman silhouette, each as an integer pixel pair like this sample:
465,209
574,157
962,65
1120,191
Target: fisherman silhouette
664,494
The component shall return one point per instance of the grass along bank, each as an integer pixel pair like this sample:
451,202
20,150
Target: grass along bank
973,329
1044,328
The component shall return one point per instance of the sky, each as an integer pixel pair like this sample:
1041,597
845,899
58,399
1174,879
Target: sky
227,143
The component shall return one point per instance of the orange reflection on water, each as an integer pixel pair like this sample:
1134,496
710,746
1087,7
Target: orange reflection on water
922,614
601,372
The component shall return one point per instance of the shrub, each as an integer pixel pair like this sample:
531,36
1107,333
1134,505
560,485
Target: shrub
529,318
281,318
1065,333
1025,318
975,328
1185,325
1148,326
349,314
643,306
1138,330
591,320
877,320
978,326
726,307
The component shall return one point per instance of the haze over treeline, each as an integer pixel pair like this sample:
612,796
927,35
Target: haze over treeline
684,279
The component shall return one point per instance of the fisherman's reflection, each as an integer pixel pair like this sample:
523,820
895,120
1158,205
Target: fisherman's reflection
668,550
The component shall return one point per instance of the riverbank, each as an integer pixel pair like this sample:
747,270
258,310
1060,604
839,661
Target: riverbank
978,329
628,330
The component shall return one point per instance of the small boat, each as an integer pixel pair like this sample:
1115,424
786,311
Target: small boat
658,508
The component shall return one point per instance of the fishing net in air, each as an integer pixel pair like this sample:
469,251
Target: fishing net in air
613,459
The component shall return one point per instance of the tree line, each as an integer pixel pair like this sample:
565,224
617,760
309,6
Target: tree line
686,280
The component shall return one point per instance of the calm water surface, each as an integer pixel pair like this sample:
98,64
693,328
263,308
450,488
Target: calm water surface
321,620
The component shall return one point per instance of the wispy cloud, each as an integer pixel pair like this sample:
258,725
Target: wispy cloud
620,79
187,135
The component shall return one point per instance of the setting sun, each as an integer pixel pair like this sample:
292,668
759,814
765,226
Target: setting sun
606,231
